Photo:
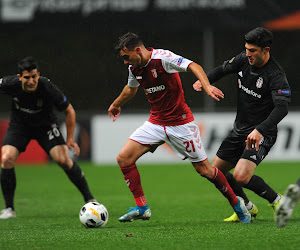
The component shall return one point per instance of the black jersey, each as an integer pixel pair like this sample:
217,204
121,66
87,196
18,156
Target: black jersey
258,91
33,109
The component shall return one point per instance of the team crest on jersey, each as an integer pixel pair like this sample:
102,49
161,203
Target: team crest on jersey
154,73
259,82
39,103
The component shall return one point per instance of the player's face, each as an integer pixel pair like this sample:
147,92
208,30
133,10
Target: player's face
29,80
132,57
256,55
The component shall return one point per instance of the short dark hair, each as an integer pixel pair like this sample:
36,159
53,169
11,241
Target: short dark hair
260,37
129,40
28,63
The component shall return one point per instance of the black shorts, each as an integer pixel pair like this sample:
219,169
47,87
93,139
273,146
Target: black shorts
233,148
19,136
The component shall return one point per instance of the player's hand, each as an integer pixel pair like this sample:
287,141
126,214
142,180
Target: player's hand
197,86
114,111
71,144
253,140
214,92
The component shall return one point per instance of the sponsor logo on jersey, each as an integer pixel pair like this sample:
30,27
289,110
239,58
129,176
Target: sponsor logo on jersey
28,111
179,61
154,73
284,91
155,89
248,91
25,110
259,82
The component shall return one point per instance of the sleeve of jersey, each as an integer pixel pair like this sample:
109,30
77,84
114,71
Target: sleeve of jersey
132,81
60,100
228,67
1,86
5,87
173,63
281,95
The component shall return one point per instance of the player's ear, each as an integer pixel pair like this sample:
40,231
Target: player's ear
138,49
267,49
19,77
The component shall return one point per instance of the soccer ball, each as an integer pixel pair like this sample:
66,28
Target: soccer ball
93,214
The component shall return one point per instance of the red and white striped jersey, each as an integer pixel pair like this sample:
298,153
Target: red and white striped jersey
162,85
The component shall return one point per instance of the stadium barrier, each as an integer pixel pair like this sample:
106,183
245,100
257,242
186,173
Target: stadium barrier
109,137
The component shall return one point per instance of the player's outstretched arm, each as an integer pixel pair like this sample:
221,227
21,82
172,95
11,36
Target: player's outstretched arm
115,108
212,91
70,123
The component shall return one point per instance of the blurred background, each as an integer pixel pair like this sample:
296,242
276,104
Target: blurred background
73,41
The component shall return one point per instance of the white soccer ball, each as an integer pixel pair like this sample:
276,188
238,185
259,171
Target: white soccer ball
93,214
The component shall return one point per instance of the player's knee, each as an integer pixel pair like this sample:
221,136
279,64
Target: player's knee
64,162
202,170
7,160
123,160
241,179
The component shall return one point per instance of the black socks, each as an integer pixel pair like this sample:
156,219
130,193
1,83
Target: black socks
8,185
237,188
76,175
258,186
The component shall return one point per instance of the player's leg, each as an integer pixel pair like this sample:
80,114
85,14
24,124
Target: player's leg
287,204
226,158
243,174
215,176
225,167
8,179
250,159
145,138
54,144
60,155
186,142
15,141
127,158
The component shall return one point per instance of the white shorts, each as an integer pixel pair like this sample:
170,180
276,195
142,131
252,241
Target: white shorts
184,140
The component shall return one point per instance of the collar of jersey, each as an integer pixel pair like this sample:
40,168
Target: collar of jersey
150,48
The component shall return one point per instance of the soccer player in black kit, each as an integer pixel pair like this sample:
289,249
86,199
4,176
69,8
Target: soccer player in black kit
263,95
34,98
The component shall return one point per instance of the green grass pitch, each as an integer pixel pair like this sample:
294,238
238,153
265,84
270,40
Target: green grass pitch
187,211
